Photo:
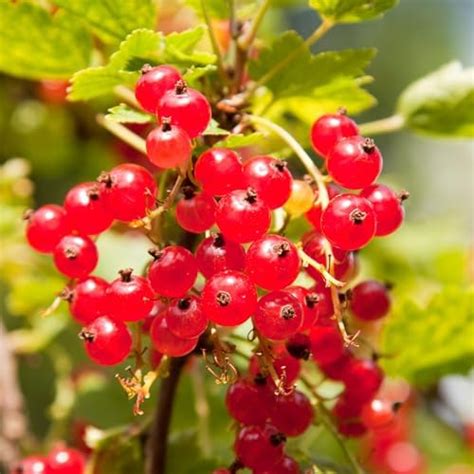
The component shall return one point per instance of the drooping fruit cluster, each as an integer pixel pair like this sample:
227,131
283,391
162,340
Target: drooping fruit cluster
292,292
60,460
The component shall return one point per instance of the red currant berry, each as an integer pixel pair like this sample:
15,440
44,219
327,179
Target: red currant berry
88,299
270,178
362,379
87,210
299,346
379,413
229,298
187,108
185,317
168,146
309,301
351,429
166,342
131,297
325,306
326,344
287,465
242,216
129,191
215,254
195,212
349,222
259,447
272,262
249,403
313,216
46,227
347,409
107,342
33,465
278,316
292,414
66,461
75,256
153,85
348,268
155,357
336,370
173,271
370,300
329,129
355,162
387,207
219,171
158,307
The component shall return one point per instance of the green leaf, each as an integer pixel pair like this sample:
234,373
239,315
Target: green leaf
38,45
214,130
215,8
426,343
112,21
306,71
441,103
124,114
193,74
352,11
240,141
140,47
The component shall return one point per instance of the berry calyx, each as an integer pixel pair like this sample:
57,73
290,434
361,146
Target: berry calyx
107,341
309,301
75,256
168,146
270,178
299,346
355,162
349,222
229,298
242,216
185,317
46,227
153,84
329,129
272,262
166,342
215,254
370,300
187,108
195,212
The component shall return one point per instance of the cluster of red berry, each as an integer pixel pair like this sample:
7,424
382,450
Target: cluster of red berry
238,199
60,460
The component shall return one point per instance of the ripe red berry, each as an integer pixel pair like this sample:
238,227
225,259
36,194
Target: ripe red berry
347,409
87,210
336,370
355,162
387,207
185,317
229,298
379,413
259,447
351,429
129,191
131,297
314,214
242,216
326,344
158,307
33,465
88,299
195,212
249,403
215,254
173,271
292,414
219,171
278,316
107,342
329,129
153,85
270,178
272,262
349,222
75,256
309,302
166,342
299,346
362,379
370,300
325,305
286,465
187,108
46,227
168,146
64,460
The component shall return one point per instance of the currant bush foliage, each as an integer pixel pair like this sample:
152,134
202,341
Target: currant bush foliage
352,11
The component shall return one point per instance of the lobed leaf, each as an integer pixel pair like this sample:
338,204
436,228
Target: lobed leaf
352,11
122,113
240,141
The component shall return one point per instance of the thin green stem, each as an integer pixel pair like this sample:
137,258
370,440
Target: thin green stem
390,124
123,133
247,41
127,95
